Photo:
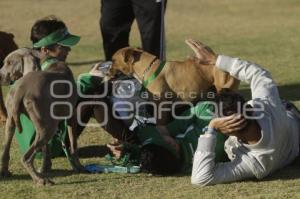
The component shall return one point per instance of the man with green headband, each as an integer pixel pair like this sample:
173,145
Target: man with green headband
53,40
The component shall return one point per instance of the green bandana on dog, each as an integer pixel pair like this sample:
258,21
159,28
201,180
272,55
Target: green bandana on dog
61,37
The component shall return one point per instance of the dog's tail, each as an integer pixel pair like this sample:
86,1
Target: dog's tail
17,101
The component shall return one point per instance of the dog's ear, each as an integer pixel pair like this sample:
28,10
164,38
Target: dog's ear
35,53
30,63
131,56
16,69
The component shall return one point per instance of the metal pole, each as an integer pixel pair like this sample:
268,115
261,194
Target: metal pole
162,54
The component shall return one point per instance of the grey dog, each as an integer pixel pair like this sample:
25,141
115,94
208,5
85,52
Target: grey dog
46,97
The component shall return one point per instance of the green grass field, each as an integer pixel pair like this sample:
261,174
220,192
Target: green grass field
263,31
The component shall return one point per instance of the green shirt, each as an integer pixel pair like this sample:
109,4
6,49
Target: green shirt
187,131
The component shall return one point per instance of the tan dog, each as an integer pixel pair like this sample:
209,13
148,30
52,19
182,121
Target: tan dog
35,100
178,81
183,78
7,45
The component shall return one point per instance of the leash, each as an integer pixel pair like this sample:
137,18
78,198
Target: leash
61,137
153,76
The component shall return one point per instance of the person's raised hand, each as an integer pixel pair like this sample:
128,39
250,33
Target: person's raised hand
204,54
228,124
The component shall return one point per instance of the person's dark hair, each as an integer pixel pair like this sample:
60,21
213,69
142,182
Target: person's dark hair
44,27
158,160
231,102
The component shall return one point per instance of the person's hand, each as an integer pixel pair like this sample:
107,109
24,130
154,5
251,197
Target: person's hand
204,54
96,72
228,124
116,148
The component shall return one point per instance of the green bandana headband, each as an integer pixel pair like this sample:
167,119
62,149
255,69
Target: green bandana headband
61,37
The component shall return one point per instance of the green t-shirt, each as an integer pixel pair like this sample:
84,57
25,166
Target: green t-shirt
187,131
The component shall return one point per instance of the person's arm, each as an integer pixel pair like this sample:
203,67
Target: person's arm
260,80
206,172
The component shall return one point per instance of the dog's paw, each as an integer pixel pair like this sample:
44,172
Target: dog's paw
5,174
44,182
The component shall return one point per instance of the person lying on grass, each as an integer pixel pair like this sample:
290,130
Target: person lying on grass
166,150
263,133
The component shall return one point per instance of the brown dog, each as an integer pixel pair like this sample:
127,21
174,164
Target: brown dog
38,102
7,45
180,77
187,80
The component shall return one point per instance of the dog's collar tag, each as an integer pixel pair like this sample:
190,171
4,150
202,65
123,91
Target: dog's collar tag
154,75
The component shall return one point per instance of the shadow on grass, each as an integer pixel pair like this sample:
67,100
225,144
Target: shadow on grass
16,177
54,173
289,92
290,172
93,151
61,173
78,182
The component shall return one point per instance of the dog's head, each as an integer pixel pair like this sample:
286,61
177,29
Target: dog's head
18,63
124,59
7,45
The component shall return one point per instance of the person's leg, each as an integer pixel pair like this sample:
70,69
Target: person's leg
114,126
148,16
115,24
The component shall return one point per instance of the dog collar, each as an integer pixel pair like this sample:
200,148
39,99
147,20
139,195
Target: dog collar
148,68
154,75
